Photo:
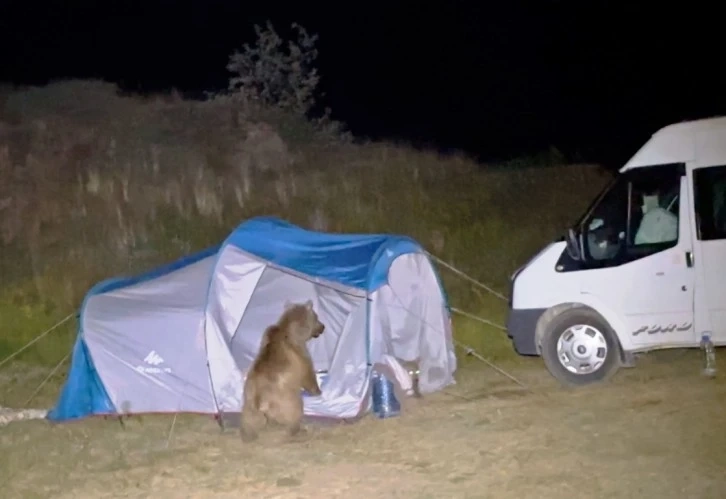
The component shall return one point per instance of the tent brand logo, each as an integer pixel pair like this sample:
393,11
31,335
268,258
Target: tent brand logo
153,359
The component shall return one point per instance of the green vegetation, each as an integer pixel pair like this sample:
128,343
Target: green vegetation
97,184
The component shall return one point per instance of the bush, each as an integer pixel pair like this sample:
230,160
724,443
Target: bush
268,76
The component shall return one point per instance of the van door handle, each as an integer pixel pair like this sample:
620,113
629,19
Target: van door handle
689,258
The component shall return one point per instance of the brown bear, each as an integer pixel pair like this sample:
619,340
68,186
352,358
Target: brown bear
282,368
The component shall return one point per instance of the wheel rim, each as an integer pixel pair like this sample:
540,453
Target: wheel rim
582,349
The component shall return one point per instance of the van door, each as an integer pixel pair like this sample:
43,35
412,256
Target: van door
644,275
709,192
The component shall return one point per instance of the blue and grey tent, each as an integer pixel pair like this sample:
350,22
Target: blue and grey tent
181,338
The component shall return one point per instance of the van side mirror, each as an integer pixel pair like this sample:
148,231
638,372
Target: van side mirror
574,245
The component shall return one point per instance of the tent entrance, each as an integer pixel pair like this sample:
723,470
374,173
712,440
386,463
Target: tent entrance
274,287
341,350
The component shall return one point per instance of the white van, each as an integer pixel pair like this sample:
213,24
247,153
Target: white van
643,269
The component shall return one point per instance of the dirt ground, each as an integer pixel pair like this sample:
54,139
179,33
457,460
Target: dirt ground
653,431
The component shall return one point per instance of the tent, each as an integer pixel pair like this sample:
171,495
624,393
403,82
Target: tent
180,338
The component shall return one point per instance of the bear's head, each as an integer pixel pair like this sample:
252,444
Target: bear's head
302,321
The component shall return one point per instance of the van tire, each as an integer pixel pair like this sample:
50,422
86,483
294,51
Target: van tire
571,318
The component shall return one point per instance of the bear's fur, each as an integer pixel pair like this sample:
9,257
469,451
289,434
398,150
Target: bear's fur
282,368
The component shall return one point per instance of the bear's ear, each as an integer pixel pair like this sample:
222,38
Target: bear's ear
288,304
309,304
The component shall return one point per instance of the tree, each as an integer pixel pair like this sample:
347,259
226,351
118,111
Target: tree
268,75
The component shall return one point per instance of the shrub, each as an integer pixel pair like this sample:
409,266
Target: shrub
269,76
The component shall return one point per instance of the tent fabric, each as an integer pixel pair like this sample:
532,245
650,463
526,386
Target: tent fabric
354,260
181,337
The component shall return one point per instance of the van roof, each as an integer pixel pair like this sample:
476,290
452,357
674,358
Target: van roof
676,143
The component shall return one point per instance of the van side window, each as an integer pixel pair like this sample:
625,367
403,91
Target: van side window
654,212
709,186
636,217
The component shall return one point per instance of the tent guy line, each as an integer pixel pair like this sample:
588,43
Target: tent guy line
50,375
69,316
467,349
466,276
442,262
477,318
470,351
36,339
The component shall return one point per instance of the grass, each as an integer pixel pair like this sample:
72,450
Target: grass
650,432
97,185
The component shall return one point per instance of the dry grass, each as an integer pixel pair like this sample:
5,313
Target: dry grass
651,432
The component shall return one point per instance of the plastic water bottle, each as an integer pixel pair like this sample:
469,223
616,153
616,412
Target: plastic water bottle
709,356
385,403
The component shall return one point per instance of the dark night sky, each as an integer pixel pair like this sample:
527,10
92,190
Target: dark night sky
495,78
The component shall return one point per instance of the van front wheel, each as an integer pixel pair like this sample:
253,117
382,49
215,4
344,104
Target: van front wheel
579,348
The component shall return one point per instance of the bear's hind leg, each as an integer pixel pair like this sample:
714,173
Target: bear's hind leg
289,413
252,421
